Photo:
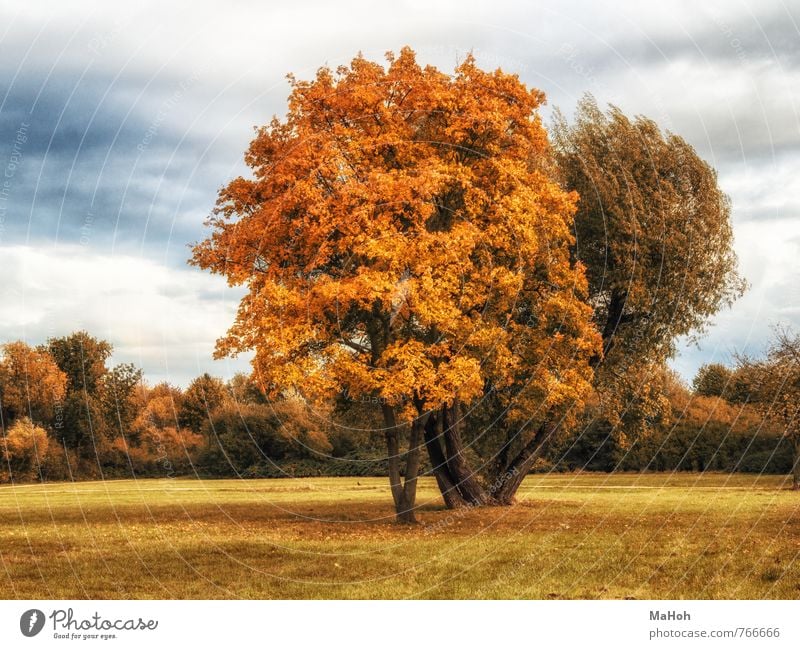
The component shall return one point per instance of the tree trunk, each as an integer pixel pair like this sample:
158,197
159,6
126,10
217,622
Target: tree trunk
614,318
505,479
511,478
457,481
796,464
466,481
404,493
445,481
412,464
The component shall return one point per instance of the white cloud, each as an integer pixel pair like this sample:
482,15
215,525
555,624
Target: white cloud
161,318
769,256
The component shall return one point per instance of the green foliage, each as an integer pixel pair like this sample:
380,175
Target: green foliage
254,438
85,429
120,397
201,400
82,358
652,228
241,438
713,380
84,425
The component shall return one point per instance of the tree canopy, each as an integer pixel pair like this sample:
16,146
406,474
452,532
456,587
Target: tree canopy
31,384
713,380
653,230
402,237
774,386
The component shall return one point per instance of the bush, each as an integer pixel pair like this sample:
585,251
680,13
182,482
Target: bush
59,463
253,438
24,449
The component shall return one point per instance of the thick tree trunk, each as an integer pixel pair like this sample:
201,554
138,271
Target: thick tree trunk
509,481
404,493
457,481
796,465
445,481
466,479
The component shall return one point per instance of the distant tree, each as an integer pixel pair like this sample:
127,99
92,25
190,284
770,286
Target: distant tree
87,422
402,239
85,430
244,390
31,384
255,438
696,433
82,358
121,397
713,380
159,412
201,399
744,384
776,389
164,389
159,443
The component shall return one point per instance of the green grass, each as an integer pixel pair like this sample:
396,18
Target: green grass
570,536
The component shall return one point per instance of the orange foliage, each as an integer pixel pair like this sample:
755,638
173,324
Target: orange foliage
23,450
402,238
30,382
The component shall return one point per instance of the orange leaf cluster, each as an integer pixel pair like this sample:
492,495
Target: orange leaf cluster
402,237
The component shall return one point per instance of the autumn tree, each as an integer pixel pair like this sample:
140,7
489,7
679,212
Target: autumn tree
162,405
31,384
402,240
171,392
120,397
82,358
653,232
23,449
201,399
652,228
156,440
262,439
713,380
775,388
100,403
244,390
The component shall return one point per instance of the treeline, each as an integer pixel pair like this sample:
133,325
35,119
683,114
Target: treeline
717,425
67,415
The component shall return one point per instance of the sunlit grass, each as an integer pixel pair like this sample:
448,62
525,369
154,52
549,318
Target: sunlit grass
570,536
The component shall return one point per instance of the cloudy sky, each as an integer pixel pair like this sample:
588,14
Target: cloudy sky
117,128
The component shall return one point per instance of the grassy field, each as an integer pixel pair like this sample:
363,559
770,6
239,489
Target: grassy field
570,536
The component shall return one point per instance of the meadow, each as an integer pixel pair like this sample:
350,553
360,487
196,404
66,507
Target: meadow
580,535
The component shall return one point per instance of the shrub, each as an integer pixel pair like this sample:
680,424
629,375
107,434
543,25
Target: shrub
252,438
24,449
